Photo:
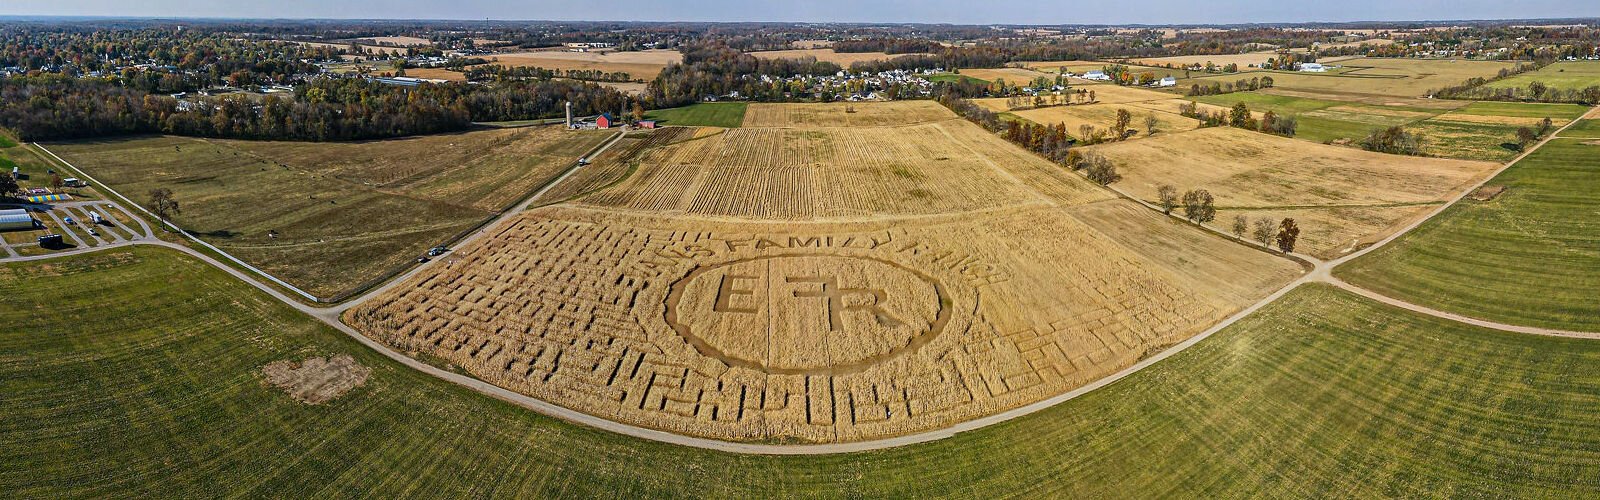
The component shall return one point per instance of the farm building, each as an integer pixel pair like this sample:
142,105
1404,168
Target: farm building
603,121
1167,82
1313,67
1095,74
15,219
647,124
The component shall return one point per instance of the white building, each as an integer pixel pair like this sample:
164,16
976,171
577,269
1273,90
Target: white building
1167,82
1096,74
1313,67
15,219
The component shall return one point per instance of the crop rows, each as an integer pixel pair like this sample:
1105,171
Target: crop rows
571,306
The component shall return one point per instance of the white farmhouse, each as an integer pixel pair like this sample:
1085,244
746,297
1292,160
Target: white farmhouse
1095,74
1167,82
1313,67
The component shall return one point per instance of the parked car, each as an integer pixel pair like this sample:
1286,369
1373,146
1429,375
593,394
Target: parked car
437,251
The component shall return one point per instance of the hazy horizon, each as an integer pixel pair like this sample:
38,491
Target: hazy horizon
1153,12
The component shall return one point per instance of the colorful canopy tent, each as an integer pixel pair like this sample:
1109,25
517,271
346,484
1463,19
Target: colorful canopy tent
49,198
15,219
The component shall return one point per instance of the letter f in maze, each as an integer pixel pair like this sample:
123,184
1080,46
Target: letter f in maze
828,288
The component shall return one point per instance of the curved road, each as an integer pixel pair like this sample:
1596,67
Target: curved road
1319,272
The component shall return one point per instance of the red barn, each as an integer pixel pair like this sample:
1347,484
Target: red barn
603,121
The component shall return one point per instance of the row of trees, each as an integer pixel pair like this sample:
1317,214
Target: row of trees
1242,85
1394,140
501,72
1239,116
56,107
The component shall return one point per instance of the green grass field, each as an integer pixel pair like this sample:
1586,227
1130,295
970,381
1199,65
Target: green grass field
952,77
1322,120
1524,110
705,114
135,373
1559,75
1584,128
344,214
1530,257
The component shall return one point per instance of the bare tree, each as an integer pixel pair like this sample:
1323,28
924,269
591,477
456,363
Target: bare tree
1168,197
1264,230
1241,225
1150,124
1288,232
162,204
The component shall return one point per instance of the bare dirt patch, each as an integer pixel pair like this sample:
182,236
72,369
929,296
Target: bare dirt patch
1488,193
316,380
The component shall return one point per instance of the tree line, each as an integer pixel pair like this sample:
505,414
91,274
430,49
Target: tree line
327,109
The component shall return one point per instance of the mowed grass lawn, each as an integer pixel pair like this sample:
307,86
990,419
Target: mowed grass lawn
1530,257
705,114
1558,75
343,214
135,373
1477,131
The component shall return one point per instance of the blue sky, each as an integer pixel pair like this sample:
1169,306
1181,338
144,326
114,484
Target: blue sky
938,11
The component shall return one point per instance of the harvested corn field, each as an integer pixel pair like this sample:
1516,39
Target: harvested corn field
815,332
1346,195
1250,169
1104,116
830,172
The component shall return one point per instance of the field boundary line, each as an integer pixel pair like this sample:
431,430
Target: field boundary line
180,230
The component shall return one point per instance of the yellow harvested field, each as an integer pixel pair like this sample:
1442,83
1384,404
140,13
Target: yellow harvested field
833,172
1243,60
640,64
1102,116
1012,76
1332,232
819,332
838,114
1384,76
483,169
1054,67
820,283
1106,93
844,59
1251,169
1171,106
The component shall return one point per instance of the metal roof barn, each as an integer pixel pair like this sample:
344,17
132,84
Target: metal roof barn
15,219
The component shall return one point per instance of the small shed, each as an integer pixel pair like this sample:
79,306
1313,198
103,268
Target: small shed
647,124
603,121
14,219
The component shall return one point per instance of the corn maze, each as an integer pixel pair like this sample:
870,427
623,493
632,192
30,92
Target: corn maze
716,292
